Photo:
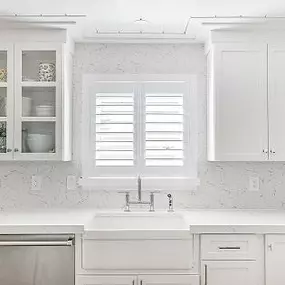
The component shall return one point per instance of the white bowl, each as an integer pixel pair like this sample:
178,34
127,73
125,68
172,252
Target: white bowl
45,111
40,143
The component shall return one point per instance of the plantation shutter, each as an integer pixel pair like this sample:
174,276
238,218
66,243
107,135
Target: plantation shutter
165,135
113,124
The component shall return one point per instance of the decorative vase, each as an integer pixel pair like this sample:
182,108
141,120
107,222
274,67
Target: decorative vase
3,74
46,71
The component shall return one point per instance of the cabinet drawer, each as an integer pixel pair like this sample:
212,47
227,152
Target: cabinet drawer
231,247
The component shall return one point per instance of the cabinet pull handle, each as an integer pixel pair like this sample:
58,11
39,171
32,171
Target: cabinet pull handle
9,150
141,282
229,247
270,247
272,151
265,150
16,149
133,282
206,274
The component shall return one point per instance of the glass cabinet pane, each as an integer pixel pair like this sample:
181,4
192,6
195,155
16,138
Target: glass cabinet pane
3,101
39,66
38,137
38,102
3,137
3,66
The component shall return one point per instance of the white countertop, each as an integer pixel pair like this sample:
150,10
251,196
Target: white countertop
199,221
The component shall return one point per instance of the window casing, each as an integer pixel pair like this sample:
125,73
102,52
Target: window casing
139,125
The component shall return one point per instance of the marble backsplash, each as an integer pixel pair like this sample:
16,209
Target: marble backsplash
223,185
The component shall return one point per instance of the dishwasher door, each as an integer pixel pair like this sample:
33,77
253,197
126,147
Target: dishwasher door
36,260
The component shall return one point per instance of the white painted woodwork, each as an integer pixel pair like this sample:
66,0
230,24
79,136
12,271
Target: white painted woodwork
139,254
276,101
230,272
63,98
106,280
168,279
275,259
231,247
237,102
9,85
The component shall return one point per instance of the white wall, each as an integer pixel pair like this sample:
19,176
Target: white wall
223,185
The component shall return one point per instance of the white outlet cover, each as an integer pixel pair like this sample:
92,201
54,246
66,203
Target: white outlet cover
71,182
254,182
36,183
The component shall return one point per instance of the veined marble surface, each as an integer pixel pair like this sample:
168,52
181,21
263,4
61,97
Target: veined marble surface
223,185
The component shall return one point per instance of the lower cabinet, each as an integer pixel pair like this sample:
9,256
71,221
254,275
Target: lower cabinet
230,272
275,259
138,280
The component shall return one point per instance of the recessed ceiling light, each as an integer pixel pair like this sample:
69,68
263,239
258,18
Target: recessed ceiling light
141,21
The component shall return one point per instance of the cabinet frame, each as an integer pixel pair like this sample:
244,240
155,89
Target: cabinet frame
19,48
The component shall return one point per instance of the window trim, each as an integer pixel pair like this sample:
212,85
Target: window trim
124,182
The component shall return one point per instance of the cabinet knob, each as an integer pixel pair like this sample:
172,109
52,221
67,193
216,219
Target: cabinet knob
16,149
9,150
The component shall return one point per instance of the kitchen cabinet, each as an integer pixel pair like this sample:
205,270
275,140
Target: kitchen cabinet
232,259
168,279
275,259
35,101
237,102
276,101
138,280
230,272
246,102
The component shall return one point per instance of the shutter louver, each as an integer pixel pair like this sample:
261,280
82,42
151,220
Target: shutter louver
164,130
114,129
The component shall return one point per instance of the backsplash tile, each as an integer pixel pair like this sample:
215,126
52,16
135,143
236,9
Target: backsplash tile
223,185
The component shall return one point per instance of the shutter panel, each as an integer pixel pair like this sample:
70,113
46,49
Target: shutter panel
164,124
113,123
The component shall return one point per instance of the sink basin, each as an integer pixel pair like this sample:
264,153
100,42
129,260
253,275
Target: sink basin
137,221
137,240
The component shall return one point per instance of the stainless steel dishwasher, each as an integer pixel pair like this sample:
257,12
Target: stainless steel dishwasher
36,259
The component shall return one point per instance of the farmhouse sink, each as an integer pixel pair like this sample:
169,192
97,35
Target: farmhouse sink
137,240
137,221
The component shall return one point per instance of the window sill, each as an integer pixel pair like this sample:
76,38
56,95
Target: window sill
130,183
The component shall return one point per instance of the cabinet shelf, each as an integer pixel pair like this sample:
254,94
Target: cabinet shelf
38,84
38,119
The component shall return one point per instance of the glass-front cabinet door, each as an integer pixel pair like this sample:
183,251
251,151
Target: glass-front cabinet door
6,101
38,105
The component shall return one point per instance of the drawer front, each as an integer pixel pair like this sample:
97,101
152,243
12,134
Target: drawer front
137,254
231,247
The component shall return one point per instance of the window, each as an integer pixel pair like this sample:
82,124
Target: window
136,126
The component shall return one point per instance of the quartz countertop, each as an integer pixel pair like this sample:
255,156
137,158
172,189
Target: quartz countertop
199,221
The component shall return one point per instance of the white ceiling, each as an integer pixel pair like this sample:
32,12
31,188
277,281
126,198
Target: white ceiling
105,18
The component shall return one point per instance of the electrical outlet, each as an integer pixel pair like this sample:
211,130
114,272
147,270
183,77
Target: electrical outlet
36,183
71,182
253,183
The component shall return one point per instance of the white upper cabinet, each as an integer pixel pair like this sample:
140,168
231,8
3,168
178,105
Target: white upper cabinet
237,102
276,101
35,101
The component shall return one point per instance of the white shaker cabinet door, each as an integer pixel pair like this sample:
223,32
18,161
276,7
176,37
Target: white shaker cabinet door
238,129
276,102
168,280
231,273
275,260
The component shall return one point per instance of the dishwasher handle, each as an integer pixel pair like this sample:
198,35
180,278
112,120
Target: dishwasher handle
37,243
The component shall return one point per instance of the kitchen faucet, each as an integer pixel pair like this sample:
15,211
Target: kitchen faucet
139,198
